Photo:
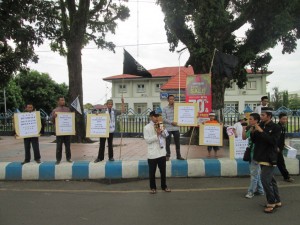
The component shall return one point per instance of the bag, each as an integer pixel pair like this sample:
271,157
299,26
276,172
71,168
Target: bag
247,155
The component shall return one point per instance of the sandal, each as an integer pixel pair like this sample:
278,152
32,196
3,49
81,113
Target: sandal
152,191
167,190
277,205
270,209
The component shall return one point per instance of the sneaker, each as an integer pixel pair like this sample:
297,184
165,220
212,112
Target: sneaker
57,163
111,159
249,195
259,193
24,162
167,158
38,161
289,180
69,160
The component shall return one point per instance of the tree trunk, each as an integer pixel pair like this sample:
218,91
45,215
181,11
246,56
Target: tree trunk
75,89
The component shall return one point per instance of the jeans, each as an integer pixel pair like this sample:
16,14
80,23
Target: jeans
255,181
176,135
59,142
34,141
161,163
110,147
269,183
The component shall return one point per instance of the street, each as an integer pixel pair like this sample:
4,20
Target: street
192,201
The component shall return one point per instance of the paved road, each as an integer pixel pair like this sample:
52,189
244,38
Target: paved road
201,201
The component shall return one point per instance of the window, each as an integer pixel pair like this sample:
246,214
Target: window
252,105
122,88
140,88
251,85
155,105
157,87
231,107
119,106
140,107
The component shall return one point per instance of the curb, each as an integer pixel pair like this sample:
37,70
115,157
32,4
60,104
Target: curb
85,170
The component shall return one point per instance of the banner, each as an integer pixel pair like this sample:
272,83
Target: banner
27,124
198,90
97,125
185,114
65,123
211,134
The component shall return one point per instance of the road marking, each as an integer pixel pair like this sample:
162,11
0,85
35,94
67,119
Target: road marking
132,191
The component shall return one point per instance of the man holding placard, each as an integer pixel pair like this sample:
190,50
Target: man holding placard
112,125
34,141
60,139
172,128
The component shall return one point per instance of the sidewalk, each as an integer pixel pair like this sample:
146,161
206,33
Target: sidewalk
12,150
131,163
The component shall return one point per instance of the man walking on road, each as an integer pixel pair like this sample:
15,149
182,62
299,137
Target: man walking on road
172,128
265,139
283,119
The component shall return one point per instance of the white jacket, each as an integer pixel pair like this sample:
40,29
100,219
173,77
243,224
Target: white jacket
154,149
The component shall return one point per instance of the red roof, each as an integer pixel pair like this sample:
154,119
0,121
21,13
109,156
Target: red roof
173,72
159,72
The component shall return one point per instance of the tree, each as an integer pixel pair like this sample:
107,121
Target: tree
203,26
276,100
294,103
70,25
14,99
40,89
88,106
19,34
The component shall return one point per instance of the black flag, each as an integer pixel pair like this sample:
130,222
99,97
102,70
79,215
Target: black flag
131,66
224,64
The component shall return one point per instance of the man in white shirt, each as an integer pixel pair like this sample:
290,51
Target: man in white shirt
155,137
264,103
238,127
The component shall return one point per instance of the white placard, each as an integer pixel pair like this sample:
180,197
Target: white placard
28,124
97,125
64,123
240,146
212,135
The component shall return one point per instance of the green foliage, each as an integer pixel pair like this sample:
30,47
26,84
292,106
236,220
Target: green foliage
40,90
294,103
88,106
203,26
19,32
14,99
279,98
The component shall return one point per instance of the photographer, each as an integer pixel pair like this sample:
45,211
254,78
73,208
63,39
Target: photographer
238,127
265,138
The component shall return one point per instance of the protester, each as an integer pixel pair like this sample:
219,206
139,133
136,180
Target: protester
112,125
255,187
155,139
265,139
238,126
264,103
34,141
66,139
172,128
212,120
283,119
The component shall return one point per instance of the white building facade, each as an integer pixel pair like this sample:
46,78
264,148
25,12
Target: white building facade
141,94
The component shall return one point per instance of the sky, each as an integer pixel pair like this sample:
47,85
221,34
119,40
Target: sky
144,37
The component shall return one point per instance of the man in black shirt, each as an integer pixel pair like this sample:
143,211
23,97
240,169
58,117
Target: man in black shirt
283,119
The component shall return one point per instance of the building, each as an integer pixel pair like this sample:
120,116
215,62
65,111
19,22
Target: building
141,94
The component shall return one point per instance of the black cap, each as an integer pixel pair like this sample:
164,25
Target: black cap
154,113
266,109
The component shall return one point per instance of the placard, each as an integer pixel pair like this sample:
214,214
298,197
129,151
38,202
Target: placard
97,125
185,114
27,124
65,123
237,147
211,134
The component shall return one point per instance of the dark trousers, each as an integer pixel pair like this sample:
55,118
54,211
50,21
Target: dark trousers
176,135
161,163
59,142
269,183
110,147
281,166
34,141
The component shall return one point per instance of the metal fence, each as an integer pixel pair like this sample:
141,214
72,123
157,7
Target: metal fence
132,125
